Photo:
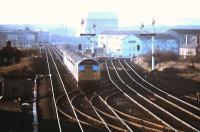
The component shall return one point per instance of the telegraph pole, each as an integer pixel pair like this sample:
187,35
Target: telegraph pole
152,34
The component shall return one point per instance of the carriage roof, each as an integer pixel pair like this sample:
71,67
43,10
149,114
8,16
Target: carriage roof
77,58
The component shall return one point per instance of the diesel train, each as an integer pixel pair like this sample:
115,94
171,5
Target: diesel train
84,70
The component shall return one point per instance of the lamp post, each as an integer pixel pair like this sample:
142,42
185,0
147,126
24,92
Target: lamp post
152,34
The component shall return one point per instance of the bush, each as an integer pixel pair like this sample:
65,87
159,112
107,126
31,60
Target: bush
161,57
166,56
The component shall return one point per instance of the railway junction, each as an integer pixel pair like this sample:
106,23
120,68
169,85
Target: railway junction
126,100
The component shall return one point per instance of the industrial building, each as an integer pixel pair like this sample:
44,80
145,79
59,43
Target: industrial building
189,40
130,43
23,38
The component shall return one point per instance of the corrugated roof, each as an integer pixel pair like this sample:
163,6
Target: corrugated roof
73,56
137,34
157,36
185,31
189,46
118,32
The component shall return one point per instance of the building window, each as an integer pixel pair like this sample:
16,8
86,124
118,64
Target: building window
131,41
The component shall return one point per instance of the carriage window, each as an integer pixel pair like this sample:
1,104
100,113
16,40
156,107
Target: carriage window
95,68
81,68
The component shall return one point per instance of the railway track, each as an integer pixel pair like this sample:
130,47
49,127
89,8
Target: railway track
187,106
124,102
58,86
84,112
92,110
185,111
164,108
164,87
83,116
134,97
143,122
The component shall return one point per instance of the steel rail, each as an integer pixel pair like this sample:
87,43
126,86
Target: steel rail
52,90
81,128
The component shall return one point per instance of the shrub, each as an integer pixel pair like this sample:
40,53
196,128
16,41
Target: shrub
161,57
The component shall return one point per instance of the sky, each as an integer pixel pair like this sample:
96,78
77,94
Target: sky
70,12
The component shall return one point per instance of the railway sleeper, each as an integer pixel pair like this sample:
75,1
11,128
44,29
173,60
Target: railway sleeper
142,122
136,126
97,122
100,125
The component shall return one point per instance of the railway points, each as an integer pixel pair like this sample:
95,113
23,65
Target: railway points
121,101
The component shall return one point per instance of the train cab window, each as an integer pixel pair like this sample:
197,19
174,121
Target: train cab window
81,68
95,68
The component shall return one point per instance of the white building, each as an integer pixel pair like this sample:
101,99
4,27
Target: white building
187,50
112,42
130,43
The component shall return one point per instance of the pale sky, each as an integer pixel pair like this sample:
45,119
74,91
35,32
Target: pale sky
70,12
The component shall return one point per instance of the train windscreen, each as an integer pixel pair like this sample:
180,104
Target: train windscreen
81,68
95,68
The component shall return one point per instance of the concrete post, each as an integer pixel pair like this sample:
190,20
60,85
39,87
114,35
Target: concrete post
152,49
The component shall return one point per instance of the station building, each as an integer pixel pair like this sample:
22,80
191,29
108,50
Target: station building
130,44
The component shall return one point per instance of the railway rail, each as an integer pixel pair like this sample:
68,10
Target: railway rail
83,114
160,104
186,112
124,101
57,82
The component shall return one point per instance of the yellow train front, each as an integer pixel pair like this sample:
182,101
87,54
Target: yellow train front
88,75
